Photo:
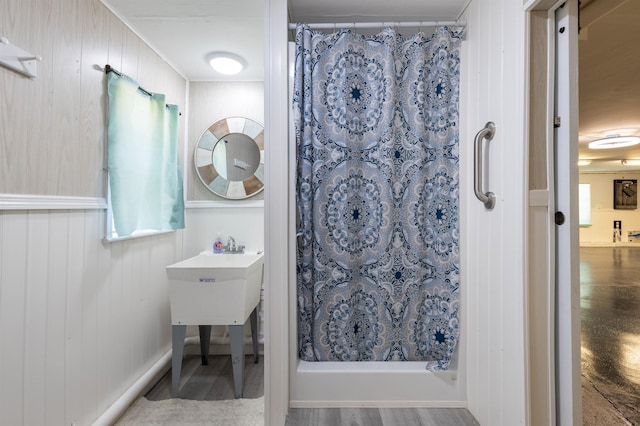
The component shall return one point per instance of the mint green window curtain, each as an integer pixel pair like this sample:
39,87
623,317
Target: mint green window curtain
144,175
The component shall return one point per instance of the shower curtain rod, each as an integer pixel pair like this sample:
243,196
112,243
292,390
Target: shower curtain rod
415,24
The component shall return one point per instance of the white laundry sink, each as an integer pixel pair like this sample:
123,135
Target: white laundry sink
215,289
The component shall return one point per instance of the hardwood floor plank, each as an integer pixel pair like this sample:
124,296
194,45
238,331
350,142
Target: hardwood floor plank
212,382
222,387
253,377
380,417
205,380
329,416
446,417
360,417
314,416
406,416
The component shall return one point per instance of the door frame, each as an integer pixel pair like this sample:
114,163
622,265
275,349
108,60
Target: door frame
553,284
567,282
276,263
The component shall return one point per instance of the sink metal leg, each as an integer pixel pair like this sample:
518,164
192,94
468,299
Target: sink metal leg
253,318
177,345
236,334
205,339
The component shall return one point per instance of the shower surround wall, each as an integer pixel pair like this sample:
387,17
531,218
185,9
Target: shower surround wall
80,320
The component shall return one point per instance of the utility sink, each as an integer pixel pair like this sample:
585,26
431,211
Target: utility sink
215,289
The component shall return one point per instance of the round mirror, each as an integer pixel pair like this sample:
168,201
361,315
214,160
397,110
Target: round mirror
229,158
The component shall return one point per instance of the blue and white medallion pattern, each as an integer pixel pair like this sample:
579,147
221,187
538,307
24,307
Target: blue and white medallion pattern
377,195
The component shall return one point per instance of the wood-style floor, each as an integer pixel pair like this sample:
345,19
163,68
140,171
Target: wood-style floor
380,417
610,334
214,382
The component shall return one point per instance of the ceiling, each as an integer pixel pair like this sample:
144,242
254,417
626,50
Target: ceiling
374,10
609,87
185,32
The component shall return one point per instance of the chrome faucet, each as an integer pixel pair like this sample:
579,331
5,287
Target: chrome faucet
232,247
231,244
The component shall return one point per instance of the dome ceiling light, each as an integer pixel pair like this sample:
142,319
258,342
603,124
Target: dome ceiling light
614,142
226,63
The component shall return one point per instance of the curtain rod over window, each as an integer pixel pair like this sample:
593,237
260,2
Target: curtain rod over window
108,68
415,24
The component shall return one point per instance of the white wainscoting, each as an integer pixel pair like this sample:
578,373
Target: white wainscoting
80,321
245,223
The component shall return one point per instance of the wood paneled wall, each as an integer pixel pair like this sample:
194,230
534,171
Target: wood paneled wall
80,321
52,138
213,101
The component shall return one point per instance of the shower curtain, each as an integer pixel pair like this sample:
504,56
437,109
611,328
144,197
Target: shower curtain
376,121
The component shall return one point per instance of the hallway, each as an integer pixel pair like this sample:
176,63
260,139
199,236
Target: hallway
610,327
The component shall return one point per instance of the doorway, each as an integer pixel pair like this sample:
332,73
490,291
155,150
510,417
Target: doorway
553,305
551,381
609,289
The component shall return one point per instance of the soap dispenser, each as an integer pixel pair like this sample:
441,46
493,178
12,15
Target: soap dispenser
218,246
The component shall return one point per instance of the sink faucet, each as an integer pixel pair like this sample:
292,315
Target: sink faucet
232,247
231,244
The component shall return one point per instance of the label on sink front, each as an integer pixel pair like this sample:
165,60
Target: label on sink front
207,280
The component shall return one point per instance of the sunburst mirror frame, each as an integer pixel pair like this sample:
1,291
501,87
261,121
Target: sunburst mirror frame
217,163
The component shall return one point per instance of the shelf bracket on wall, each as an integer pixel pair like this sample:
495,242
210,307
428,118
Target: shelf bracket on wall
18,60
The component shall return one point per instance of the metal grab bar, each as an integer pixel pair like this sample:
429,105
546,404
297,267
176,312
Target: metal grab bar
487,198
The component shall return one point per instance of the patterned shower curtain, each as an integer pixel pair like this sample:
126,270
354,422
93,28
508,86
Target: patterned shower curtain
377,190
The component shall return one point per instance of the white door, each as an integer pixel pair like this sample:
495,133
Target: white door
493,241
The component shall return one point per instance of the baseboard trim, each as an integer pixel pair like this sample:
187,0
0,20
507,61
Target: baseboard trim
140,387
